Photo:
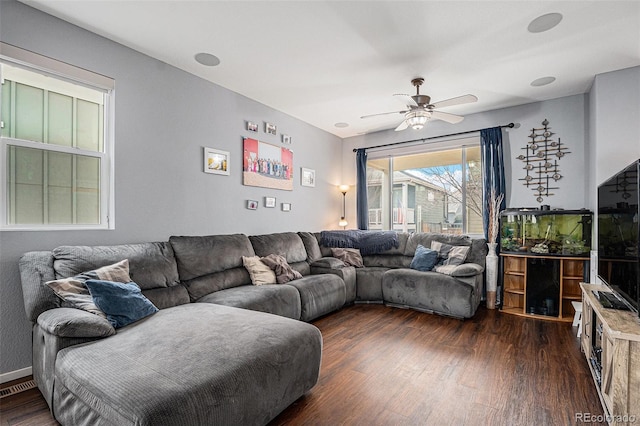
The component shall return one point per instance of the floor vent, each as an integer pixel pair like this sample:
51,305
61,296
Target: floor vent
20,387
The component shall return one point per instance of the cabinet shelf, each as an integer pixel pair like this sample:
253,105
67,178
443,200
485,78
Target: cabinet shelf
542,287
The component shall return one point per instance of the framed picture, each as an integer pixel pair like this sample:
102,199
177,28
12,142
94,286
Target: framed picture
216,161
252,204
286,139
270,128
286,207
252,127
307,177
270,202
267,165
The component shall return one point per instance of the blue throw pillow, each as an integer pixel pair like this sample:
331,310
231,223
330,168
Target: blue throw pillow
424,259
122,303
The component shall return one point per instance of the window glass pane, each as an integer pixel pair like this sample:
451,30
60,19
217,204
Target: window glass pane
4,107
89,131
430,192
87,190
60,120
474,191
25,185
378,193
52,188
60,187
29,111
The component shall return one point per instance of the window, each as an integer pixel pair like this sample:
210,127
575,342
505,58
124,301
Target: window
437,191
55,144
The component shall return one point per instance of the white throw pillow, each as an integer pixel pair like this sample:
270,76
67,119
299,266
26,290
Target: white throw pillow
259,272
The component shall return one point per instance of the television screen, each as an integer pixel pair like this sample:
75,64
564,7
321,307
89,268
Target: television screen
618,240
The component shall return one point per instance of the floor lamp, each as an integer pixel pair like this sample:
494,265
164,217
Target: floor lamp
343,222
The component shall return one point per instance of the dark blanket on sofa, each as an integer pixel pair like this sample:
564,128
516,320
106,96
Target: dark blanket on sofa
368,242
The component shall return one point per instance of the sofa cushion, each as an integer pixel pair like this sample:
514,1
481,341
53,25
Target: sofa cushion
192,364
430,292
74,292
350,256
424,259
319,295
278,264
277,299
369,284
198,256
151,265
123,303
259,272
286,244
328,262
311,245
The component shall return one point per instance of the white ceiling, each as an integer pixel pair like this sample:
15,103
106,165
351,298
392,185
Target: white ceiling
326,62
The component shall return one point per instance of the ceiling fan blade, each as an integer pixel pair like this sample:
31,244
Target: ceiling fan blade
384,113
465,99
402,126
445,116
408,98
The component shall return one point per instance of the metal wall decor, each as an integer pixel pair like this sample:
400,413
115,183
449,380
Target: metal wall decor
541,157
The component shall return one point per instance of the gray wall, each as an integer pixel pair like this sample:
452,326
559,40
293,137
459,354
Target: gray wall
566,118
614,109
164,117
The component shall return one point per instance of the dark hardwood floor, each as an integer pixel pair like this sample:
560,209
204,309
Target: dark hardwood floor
389,366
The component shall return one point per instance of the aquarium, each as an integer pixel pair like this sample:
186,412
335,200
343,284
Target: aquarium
546,232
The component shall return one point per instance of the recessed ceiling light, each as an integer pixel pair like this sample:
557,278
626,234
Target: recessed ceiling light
341,125
544,22
543,81
207,59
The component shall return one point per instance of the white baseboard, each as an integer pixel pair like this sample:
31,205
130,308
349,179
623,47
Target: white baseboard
14,375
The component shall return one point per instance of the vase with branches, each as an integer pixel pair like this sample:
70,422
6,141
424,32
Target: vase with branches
493,228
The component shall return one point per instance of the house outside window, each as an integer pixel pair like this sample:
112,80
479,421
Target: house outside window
55,145
437,191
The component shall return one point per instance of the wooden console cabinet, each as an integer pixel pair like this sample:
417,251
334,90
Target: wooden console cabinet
542,286
611,343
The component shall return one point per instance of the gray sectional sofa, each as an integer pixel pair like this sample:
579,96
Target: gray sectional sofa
201,360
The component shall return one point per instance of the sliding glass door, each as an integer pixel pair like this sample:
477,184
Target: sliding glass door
439,191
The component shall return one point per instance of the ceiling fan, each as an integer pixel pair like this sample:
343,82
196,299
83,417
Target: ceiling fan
420,109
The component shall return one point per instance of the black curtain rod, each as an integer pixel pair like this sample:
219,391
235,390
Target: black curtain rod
510,125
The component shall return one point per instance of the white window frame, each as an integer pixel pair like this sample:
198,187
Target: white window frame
15,56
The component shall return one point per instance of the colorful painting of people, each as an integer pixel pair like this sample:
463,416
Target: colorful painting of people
267,165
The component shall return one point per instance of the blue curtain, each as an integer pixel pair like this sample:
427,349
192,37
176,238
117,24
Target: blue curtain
361,189
492,169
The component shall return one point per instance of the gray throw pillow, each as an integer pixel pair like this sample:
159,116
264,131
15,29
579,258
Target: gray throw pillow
448,254
74,292
350,256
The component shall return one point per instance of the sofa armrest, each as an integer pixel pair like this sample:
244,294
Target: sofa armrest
328,263
460,271
70,322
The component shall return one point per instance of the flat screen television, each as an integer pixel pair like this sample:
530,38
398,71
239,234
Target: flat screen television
618,235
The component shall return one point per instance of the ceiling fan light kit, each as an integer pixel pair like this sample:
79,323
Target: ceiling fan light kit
420,109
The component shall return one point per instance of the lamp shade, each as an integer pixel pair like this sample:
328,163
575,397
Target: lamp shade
343,222
343,188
